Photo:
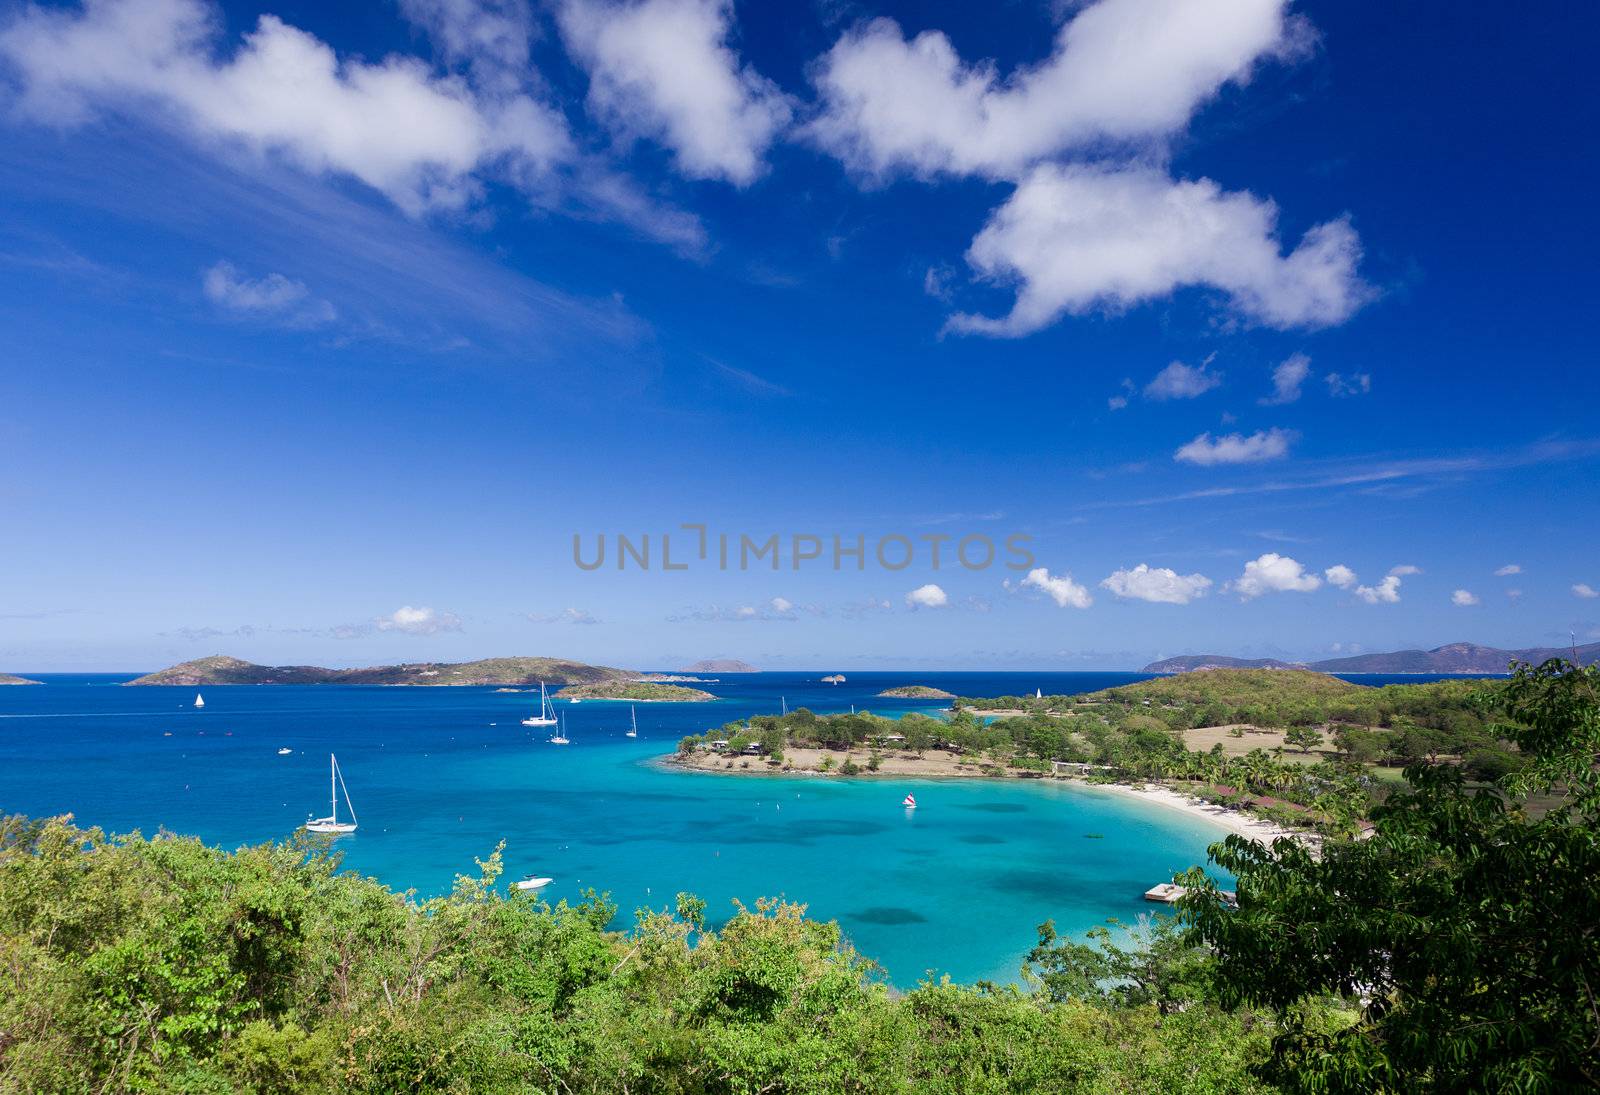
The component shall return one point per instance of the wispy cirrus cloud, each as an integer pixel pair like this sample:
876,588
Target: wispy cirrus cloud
1377,471
1180,381
269,297
1286,380
565,616
775,608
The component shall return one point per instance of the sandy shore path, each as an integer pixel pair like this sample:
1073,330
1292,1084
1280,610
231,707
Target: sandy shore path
1234,821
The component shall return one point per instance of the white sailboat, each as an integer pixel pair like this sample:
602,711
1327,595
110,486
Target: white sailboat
633,713
1038,693
561,734
547,713
331,823
199,700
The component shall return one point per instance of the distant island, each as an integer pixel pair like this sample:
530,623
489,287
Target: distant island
640,691
220,669
916,692
720,665
676,678
1451,658
7,678
835,678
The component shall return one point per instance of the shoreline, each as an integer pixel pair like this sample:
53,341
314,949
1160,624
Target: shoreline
1235,822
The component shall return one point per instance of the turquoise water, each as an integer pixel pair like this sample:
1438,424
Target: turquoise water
440,775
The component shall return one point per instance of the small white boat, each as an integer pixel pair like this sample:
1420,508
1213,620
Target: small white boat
199,700
285,751
1038,693
909,802
633,713
561,734
331,823
546,715
533,883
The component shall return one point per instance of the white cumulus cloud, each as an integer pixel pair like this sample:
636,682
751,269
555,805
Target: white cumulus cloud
1584,590
419,138
663,70
1061,588
928,596
1180,381
1121,70
418,621
1158,584
1286,380
1340,576
1508,570
1404,570
1077,238
1272,573
1386,591
1236,448
1463,598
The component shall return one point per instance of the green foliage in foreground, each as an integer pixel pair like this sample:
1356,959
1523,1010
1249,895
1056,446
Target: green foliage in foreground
1466,925
164,965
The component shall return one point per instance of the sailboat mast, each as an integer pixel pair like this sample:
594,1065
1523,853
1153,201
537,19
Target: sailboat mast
348,805
333,787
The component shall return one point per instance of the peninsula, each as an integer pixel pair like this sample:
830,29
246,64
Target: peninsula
637,691
1298,749
221,669
7,678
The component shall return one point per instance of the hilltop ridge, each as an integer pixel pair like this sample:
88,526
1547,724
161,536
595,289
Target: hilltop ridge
720,665
221,669
1450,658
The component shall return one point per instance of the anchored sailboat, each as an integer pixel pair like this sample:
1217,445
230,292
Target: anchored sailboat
199,700
633,713
331,823
547,713
561,734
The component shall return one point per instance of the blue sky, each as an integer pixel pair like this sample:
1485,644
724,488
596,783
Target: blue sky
327,327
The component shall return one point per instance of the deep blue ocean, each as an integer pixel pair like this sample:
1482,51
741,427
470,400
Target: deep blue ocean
440,775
